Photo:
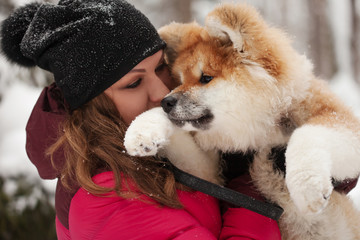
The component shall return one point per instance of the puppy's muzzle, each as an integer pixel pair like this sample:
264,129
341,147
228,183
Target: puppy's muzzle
182,110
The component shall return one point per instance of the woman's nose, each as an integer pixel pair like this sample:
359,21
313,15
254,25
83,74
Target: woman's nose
157,90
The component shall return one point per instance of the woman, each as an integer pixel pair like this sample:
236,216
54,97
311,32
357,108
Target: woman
108,65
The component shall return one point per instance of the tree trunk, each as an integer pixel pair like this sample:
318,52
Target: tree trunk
178,11
320,39
355,40
6,6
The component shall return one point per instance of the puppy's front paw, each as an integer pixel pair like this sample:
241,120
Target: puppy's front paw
147,133
309,191
143,142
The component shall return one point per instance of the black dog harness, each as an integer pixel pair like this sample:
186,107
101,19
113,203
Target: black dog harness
235,198
226,194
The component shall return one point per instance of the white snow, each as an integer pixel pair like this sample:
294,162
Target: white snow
15,109
19,2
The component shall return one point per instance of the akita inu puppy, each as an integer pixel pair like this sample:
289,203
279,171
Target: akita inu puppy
243,87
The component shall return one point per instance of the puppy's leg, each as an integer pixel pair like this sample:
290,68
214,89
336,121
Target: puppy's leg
271,183
314,155
184,153
337,221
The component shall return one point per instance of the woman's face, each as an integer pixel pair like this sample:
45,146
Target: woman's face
142,88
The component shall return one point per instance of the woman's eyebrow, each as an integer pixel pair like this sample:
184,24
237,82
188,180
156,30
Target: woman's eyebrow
138,70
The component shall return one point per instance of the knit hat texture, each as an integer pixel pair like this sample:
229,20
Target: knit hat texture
87,44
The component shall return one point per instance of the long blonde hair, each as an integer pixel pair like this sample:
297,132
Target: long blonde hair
92,139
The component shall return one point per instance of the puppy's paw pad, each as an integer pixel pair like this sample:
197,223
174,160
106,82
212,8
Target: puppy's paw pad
143,144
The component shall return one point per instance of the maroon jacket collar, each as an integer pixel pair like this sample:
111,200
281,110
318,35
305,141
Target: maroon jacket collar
42,131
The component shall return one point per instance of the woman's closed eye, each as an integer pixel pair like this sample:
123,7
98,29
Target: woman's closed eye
134,84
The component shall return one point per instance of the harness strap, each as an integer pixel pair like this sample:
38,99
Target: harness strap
266,209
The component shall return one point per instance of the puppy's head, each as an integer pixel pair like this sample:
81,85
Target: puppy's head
234,72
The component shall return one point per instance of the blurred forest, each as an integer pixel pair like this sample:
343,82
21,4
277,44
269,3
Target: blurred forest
327,31
313,24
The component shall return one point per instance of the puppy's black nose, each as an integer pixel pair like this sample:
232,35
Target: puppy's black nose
168,103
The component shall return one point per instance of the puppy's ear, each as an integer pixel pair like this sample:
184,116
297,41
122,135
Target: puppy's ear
171,35
242,27
217,28
234,23
178,36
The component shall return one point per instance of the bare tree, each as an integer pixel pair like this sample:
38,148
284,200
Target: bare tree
6,6
355,40
162,12
181,10
320,39
284,10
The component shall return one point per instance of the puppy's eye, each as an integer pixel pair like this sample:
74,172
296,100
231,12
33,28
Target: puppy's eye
204,79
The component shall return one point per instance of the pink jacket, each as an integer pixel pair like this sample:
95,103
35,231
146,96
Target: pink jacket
113,217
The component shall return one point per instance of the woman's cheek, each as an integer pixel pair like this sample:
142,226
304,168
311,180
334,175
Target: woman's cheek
135,109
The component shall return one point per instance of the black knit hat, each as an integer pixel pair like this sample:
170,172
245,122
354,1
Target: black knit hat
87,44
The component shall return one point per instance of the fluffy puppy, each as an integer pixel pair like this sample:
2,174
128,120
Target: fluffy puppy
243,87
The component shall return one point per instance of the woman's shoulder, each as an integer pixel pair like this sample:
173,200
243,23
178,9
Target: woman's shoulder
92,215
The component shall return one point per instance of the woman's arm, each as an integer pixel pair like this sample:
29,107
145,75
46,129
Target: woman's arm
241,223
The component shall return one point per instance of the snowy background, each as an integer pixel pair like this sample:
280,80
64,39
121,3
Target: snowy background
328,31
